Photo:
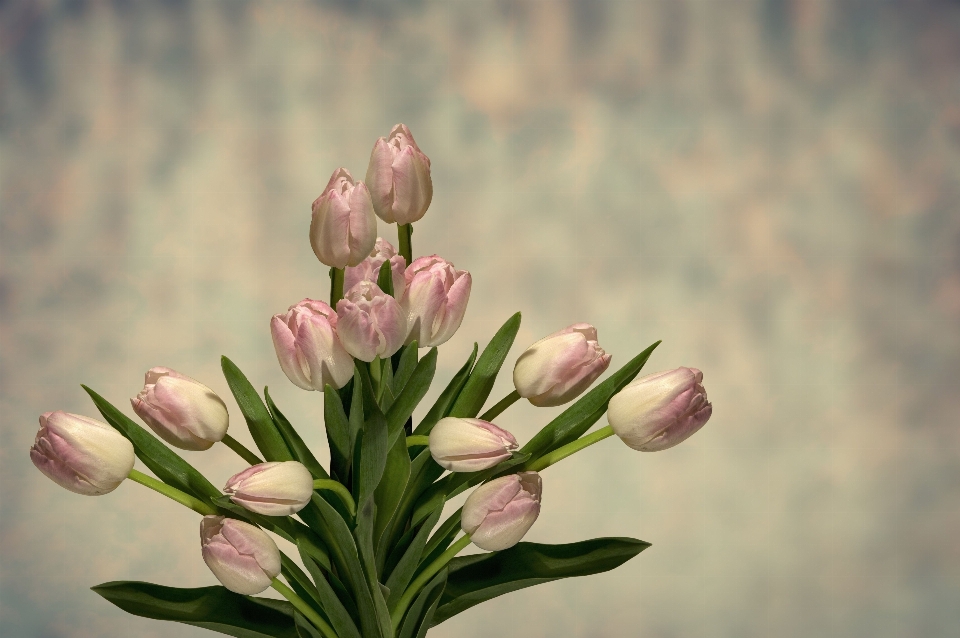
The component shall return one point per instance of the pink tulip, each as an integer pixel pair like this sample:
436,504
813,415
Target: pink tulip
498,513
399,178
272,489
343,228
370,322
369,268
659,411
242,556
469,445
183,412
80,454
559,367
435,300
308,348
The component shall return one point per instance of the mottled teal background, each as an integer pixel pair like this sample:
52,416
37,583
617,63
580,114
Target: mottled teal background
771,187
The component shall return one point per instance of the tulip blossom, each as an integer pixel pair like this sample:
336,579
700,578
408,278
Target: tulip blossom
660,410
498,513
435,300
560,366
81,454
183,412
370,322
469,445
399,178
272,489
308,348
369,268
343,228
242,556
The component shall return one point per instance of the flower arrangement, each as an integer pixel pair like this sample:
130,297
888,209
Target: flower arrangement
376,559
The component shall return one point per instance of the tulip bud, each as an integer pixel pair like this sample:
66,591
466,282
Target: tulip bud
435,300
343,228
370,322
469,445
80,454
183,412
559,367
272,489
660,410
369,268
500,512
242,556
399,178
308,348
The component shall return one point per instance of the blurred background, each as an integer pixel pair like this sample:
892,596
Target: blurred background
769,186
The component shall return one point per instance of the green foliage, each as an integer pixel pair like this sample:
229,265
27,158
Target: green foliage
477,388
262,428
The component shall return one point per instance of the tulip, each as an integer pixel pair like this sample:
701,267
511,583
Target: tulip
435,300
272,489
308,348
399,178
559,367
343,228
81,454
370,322
498,513
369,268
242,556
183,412
660,410
469,445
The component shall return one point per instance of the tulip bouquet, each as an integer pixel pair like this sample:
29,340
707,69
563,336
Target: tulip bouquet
375,560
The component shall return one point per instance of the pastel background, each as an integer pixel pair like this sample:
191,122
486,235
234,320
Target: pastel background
771,187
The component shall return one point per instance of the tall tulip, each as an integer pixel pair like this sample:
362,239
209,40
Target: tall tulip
399,178
182,411
469,445
500,512
559,367
370,322
343,228
369,268
435,300
242,556
308,348
272,489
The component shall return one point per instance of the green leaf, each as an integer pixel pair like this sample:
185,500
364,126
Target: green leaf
475,579
213,608
338,434
262,429
420,616
407,363
162,461
364,536
411,395
385,278
386,397
373,456
423,472
387,496
295,444
484,374
578,418
403,572
303,626
340,618
301,583
446,399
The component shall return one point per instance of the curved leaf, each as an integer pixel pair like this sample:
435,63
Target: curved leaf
420,616
484,374
412,393
294,443
445,401
265,434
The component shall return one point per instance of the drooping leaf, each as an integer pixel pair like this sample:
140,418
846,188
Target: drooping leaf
338,434
335,608
478,578
484,374
446,399
162,461
265,434
290,436
420,616
412,393
213,608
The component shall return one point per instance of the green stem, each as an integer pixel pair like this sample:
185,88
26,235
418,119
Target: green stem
336,286
404,235
195,504
561,453
337,488
504,403
424,578
304,609
419,439
241,451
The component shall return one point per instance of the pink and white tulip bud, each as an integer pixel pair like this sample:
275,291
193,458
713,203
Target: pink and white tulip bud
370,322
435,300
660,410
500,512
242,556
343,228
469,445
369,268
80,454
560,366
272,489
183,412
308,348
399,178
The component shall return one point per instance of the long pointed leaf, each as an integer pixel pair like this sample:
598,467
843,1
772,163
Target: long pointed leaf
262,428
338,434
340,618
446,399
406,364
422,612
396,473
484,374
412,393
402,574
290,436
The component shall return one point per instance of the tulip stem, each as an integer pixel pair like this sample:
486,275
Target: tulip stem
498,409
336,286
419,439
304,608
195,504
425,577
561,453
404,235
337,488
241,451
